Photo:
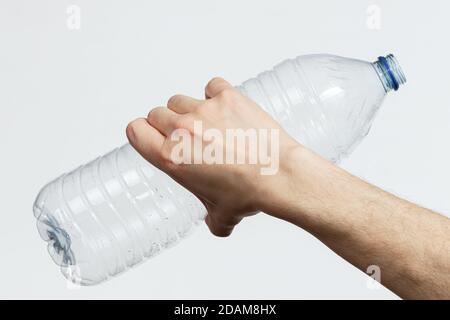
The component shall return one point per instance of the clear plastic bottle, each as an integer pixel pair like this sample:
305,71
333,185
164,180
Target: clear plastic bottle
117,210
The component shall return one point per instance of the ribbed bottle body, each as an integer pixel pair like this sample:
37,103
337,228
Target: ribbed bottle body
111,214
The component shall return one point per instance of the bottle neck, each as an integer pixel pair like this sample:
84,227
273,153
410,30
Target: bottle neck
389,72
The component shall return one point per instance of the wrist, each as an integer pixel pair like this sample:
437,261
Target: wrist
287,194
307,191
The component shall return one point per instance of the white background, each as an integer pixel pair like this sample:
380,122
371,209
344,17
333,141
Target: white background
67,95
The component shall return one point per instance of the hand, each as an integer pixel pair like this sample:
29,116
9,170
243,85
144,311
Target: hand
229,191
361,223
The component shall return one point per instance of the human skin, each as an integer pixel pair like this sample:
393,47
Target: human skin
360,222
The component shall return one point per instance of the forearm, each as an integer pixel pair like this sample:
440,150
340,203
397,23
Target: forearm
367,226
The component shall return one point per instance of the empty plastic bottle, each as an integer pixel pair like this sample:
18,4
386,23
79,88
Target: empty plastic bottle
118,210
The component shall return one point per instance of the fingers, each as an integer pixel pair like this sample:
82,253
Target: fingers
221,224
163,119
182,104
216,86
146,140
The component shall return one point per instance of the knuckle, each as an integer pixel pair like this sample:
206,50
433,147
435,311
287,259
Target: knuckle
173,100
213,82
153,111
228,95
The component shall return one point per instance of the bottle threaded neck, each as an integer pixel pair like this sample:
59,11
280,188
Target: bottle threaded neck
389,72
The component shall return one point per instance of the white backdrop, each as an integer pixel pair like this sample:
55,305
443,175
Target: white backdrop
67,94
